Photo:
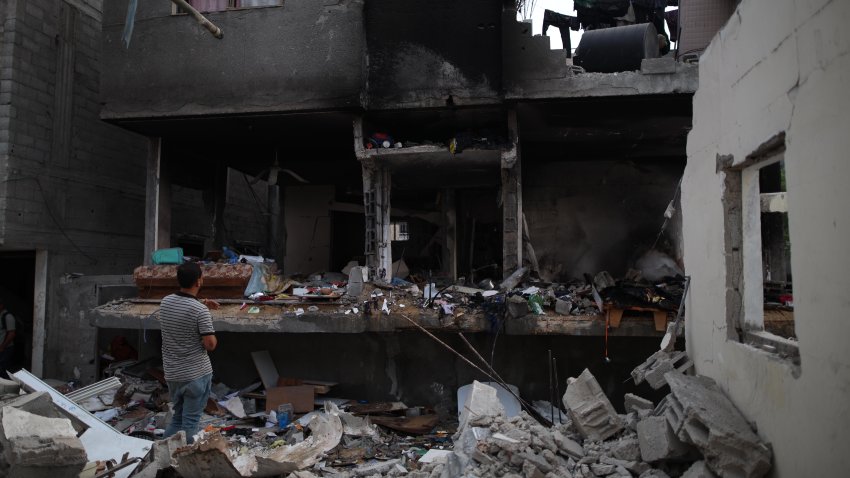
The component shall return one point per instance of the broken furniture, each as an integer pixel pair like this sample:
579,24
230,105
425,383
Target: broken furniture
221,281
614,315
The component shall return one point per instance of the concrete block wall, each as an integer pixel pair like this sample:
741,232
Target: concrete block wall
778,66
73,185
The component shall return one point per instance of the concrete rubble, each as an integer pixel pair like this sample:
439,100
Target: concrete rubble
701,414
653,369
36,446
594,441
590,409
693,432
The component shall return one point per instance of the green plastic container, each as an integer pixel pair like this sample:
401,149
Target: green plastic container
172,255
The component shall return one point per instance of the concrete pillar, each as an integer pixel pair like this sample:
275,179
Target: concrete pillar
511,202
377,184
277,228
39,312
157,203
449,226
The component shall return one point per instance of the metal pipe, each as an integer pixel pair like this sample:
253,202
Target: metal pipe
216,31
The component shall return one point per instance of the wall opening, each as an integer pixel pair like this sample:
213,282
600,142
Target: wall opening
759,282
17,288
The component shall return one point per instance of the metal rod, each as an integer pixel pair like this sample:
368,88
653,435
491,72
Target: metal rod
462,357
557,391
499,378
551,389
216,31
501,381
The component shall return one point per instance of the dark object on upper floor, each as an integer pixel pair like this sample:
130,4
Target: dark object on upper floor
611,50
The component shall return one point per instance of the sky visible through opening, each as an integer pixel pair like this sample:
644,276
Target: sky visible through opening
561,6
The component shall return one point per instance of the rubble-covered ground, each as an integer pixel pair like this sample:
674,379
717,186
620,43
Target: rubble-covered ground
695,431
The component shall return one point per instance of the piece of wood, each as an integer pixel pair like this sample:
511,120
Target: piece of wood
413,425
660,318
301,397
614,316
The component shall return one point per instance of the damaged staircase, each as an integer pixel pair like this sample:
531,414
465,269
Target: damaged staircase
526,56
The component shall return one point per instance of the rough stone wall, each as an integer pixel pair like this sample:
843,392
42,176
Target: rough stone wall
778,67
71,182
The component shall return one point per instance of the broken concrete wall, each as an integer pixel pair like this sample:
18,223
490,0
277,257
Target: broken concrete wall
608,212
411,367
69,354
778,67
300,55
437,53
71,186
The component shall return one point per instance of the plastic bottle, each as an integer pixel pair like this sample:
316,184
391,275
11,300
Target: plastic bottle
284,415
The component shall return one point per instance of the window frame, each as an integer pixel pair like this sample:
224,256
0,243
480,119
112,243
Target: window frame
231,5
742,207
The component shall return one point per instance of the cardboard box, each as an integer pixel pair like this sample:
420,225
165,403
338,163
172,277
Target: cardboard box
300,396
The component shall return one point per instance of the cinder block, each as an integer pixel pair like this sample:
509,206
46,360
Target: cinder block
701,414
633,403
590,409
657,441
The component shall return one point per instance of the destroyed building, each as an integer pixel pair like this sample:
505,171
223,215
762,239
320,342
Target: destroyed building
128,134
494,136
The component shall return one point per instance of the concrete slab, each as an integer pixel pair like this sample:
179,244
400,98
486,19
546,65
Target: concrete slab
590,409
657,441
700,413
658,66
36,446
633,403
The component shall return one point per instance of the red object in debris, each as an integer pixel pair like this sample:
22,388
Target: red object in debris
787,299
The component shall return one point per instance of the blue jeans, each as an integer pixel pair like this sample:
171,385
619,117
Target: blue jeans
189,400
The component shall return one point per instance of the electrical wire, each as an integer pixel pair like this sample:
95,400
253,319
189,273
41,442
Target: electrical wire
53,217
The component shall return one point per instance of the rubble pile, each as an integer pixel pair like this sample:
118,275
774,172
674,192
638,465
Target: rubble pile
694,432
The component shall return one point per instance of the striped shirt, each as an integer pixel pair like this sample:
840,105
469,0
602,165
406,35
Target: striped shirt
184,320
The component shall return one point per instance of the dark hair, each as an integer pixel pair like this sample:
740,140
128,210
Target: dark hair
187,274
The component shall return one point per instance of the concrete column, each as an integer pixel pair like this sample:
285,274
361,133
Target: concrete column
157,203
39,313
511,202
449,226
277,228
376,200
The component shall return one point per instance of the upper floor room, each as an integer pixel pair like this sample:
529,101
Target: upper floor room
278,56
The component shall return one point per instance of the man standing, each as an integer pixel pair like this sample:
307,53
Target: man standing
7,339
187,336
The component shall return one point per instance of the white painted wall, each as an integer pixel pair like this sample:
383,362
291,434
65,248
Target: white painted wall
779,65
